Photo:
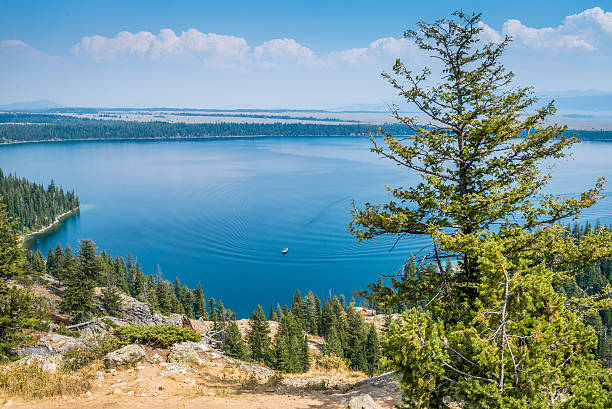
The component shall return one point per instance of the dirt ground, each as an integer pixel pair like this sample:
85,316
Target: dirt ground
214,384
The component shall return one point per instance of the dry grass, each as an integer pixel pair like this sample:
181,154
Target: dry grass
331,362
31,382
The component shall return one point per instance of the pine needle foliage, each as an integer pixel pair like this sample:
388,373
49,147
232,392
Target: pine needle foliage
494,331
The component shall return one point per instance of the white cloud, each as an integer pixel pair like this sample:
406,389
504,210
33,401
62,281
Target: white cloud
489,34
546,38
583,31
25,48
595,16
383,47
214,49
279,50
226,50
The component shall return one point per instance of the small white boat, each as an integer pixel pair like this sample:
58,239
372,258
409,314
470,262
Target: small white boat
284,251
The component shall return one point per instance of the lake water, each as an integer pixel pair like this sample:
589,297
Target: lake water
219,211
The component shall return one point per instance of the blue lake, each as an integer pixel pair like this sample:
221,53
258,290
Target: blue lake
219,211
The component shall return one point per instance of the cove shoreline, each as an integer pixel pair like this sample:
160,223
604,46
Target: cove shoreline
55,222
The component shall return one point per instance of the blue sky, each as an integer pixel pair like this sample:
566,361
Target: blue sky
307,54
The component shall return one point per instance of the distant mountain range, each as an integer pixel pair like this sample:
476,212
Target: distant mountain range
586,101
30,106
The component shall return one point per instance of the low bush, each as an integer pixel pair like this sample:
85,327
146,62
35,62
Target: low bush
62,330
331,362
157,335
82,355
31,382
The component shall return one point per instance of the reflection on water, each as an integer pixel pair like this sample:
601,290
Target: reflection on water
220,211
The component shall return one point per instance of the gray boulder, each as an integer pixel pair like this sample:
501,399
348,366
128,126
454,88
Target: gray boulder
127,355
183,352
50,363
138,312
362,401
51,344
156,359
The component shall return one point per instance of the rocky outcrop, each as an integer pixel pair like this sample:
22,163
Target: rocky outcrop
156,359
383,388
51,363
138,313
127,355
183,352
49,345
362,401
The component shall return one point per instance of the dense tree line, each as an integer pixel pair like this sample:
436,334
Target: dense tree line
591,282
17,127
31,205
86,268
344,329
21,127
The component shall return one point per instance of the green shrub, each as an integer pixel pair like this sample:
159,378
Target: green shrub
110,323
62,330
82,355
157,335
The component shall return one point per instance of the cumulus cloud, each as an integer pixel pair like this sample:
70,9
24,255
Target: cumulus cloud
582,31
279,50
383,47
489,34
594,17
212,48
21,47
546,38
226,50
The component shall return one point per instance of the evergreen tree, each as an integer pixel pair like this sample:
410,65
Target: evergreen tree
221,312
258,336
199,305
187,301
494,333
177,289
39,265
111,300
80,279
50,263
11,255
233,344
290,351
138,283
333,344
175,305
15,303
212,303
373,353
164,296
272,316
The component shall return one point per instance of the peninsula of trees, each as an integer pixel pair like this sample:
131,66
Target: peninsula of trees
33,205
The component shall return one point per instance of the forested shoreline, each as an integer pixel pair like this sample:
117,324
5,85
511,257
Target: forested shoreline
30,128
33,205
19,127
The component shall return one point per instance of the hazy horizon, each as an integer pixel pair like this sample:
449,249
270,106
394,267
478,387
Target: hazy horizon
302,55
